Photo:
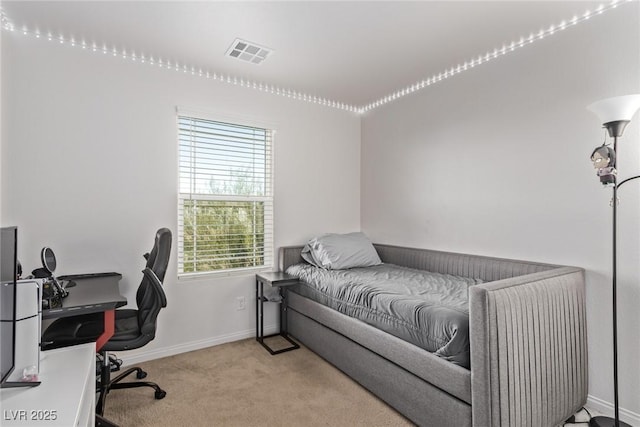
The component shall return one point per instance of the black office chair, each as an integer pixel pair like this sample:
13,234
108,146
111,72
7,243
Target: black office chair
133,328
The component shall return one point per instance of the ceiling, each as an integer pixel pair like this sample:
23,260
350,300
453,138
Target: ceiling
352,52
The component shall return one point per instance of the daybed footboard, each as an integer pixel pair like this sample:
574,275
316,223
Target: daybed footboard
528,349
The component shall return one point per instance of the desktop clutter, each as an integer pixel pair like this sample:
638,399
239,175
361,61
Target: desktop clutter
52,291
41,290
27,331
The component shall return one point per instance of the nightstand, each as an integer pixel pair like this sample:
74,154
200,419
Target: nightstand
279,280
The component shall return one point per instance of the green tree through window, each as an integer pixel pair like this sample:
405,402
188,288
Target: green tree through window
225,204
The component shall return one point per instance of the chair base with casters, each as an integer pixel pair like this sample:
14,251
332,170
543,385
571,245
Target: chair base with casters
83,329
115,383
132,328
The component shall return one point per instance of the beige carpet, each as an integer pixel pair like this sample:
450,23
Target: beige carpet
241,384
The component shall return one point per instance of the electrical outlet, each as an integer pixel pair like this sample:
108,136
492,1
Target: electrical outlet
241,303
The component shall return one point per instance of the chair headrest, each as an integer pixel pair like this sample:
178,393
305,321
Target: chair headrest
158,258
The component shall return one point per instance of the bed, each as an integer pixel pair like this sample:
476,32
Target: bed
527,364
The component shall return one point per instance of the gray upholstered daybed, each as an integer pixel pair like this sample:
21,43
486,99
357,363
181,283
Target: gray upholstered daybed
527,336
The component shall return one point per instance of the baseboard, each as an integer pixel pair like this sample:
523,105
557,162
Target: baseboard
603,407
144,356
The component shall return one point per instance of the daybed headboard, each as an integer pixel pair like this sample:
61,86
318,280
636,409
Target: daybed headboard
288,256
486,268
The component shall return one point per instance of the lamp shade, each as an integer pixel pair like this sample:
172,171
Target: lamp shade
618,108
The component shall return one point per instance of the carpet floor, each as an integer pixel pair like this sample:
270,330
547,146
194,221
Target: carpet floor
241,384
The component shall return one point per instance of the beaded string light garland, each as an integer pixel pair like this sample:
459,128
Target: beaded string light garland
495,53
157,61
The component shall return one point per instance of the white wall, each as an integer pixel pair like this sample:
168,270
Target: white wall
495,161
89,169
1,138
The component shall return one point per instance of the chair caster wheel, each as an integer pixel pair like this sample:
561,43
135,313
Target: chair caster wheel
160,394
141,374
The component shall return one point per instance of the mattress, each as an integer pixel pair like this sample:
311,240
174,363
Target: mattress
429,310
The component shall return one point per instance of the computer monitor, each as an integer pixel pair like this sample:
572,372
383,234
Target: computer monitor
8,263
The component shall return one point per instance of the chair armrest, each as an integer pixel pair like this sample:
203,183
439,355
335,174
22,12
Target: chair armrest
157,285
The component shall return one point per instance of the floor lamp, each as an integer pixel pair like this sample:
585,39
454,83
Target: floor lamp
615,114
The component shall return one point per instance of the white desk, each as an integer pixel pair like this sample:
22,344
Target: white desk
66,396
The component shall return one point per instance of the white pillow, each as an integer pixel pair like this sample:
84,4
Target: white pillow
340,251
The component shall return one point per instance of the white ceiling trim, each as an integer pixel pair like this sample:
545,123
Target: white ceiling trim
489,56
134,55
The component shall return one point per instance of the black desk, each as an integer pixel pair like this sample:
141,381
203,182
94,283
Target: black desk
91,295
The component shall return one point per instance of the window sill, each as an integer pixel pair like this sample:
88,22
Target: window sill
188,277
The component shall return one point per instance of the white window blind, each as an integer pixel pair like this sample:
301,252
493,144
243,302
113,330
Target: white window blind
225,203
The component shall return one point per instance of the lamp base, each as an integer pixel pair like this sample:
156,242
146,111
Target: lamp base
606,422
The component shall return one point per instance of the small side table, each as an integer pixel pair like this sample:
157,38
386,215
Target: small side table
279,280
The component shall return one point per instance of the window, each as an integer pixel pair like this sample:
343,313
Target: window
225,202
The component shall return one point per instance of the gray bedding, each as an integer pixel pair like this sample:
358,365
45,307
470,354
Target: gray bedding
427,309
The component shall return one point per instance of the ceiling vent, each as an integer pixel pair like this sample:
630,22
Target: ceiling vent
248,51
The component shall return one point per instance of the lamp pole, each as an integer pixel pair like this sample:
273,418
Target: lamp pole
615,130
618,423
615,294
615,114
